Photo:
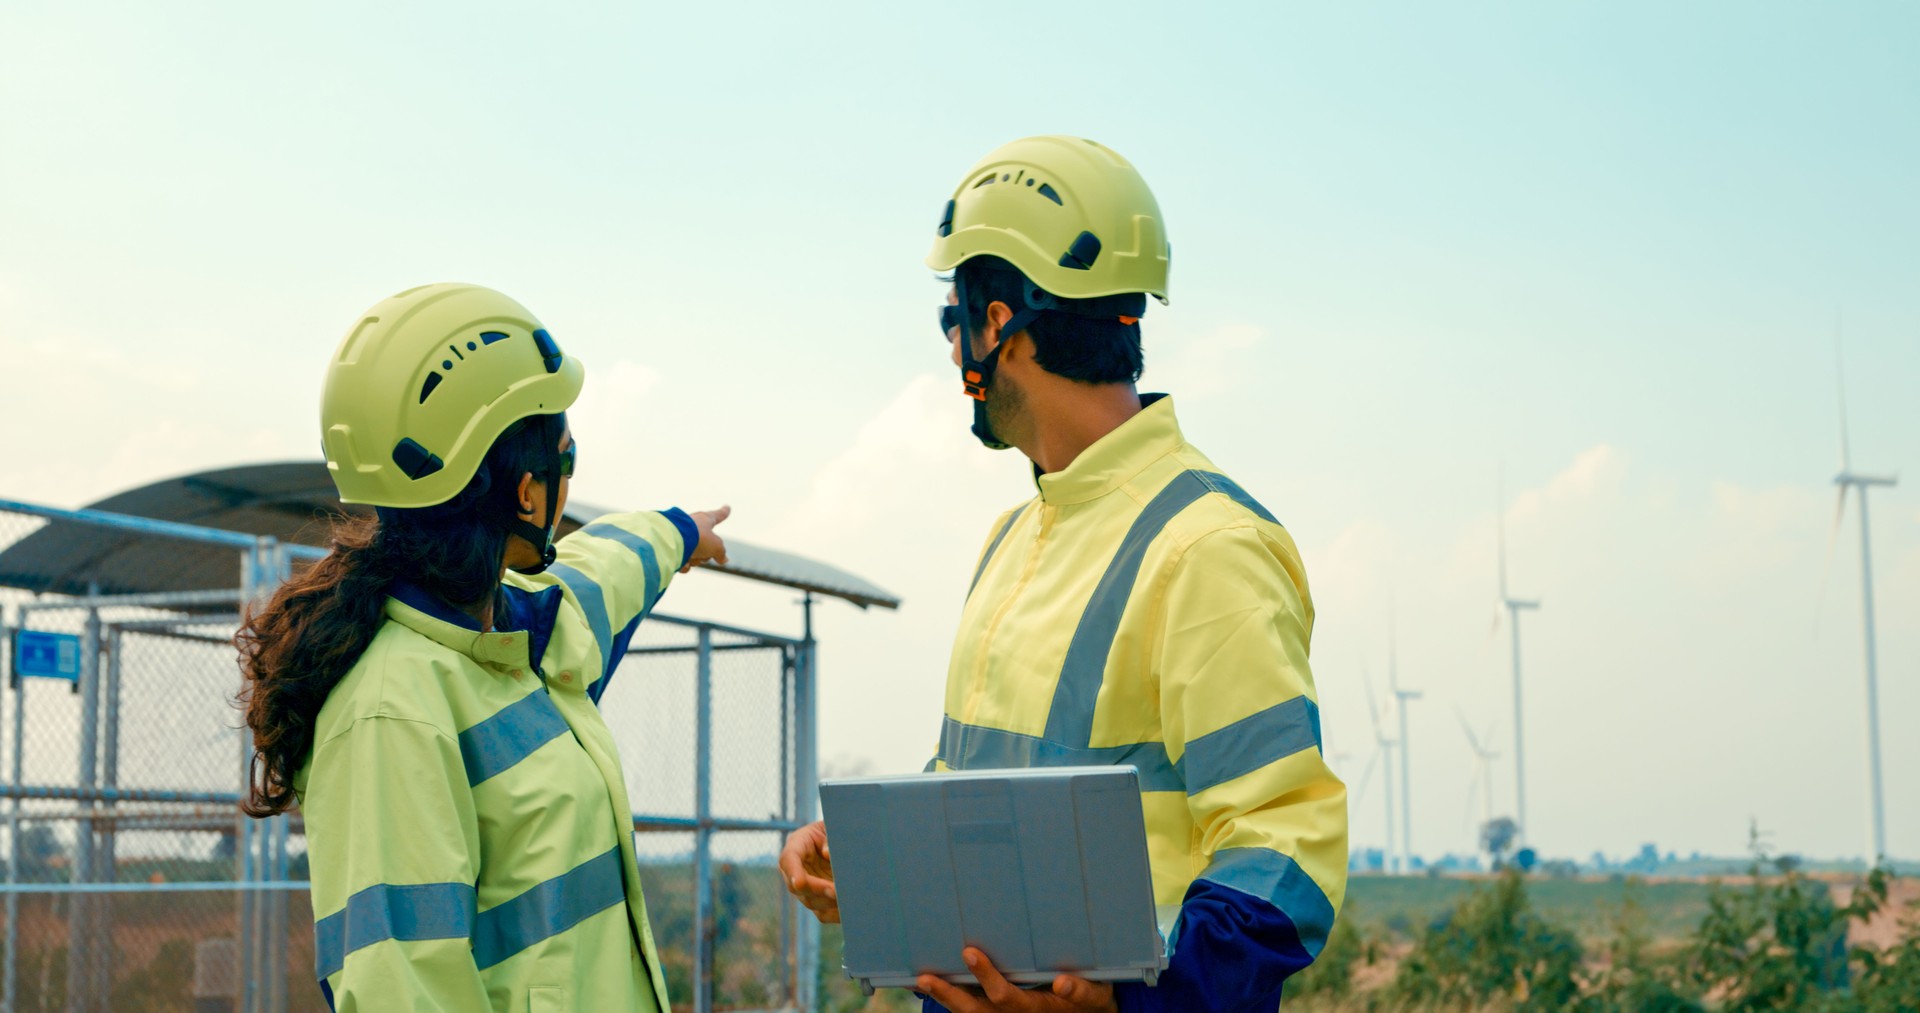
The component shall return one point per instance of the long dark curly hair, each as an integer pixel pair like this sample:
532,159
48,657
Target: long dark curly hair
297,647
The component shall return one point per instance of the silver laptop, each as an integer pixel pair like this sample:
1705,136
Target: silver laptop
1044,870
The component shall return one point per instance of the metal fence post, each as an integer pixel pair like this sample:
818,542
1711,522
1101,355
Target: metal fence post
703,921
108,854
11,973
807,788
262,567
788,954
12,835
80,936
277,901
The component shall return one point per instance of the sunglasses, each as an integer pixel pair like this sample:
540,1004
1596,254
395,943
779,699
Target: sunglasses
949,319
567,458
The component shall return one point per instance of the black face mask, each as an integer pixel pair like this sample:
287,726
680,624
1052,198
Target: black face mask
559,465
976,375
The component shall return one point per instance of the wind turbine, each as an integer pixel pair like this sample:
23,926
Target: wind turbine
1850,479
1383,746
1514,606
1483,757
1400,698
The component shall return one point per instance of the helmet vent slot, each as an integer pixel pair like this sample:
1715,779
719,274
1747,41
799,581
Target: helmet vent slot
1048,192
990,178
433,380
492,336
549,350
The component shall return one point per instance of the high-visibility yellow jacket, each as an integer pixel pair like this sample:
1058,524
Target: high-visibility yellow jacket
1145,610
468,826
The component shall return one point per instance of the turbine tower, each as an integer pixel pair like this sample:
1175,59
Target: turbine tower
1514,606
1400,698
1850,479
1383,746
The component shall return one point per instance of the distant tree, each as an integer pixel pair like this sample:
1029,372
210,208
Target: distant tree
39,847
1496,838
1560,868
730,902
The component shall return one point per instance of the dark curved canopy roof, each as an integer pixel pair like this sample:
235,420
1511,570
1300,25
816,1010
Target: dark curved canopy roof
292,501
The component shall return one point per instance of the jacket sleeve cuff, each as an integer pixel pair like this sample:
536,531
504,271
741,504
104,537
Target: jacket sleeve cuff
1134,997
689,533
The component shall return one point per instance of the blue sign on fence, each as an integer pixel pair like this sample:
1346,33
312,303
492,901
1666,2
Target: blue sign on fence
46,655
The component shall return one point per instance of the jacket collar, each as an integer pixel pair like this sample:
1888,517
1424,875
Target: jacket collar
1114,459
523,624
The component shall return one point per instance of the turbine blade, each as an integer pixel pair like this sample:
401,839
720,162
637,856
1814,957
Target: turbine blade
1366,778
1471,740
1373,706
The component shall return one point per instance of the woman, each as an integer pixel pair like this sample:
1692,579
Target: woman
427,692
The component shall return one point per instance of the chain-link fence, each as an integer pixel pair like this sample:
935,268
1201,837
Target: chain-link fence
707,717
132,882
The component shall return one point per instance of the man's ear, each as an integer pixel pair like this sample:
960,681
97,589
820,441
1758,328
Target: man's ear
524,495
998,314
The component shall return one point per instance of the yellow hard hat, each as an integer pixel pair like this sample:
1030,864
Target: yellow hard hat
425,382
1070,213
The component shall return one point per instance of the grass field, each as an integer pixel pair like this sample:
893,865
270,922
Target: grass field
154,934
1402,905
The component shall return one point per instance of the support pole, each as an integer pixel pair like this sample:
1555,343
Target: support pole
278,931
1406,787
109,861
788,955
703,914
262,944
81,938
1876,820
1519,730
9,991
807,783
1390,858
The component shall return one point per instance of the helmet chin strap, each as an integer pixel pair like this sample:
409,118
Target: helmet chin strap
537,536
976,375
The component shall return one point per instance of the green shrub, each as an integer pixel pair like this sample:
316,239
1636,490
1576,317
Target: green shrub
1779,943
1889,981
1491,948
1635,980
1330,976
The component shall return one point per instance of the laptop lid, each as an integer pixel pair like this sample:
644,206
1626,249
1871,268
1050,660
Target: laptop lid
1045,870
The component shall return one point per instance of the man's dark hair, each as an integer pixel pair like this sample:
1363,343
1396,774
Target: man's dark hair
1086,349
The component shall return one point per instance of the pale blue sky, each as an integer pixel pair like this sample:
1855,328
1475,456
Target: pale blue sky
1603,242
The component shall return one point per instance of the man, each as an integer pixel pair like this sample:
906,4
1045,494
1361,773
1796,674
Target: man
1143,609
